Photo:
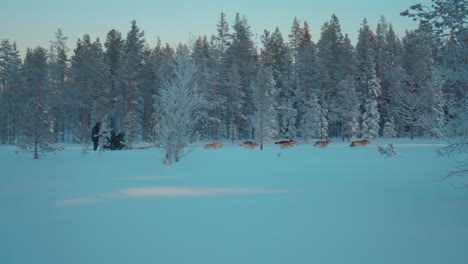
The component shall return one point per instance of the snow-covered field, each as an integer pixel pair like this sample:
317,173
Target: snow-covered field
305,205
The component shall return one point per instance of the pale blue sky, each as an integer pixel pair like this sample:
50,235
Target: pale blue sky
33,23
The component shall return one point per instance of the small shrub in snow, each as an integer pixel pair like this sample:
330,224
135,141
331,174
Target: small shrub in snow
389,151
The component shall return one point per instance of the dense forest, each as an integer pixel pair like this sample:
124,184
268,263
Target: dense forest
226,87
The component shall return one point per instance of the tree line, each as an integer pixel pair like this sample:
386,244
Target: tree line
290,87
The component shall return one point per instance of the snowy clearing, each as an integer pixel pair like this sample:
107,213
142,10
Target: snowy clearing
230,205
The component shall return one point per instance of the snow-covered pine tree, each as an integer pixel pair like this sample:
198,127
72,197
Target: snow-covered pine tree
432,120
307,79
348,108
296,38
414,92
37,124
163,61
389,128
221,67
333,67
204,59
101,105
242,57
37,129
382,66
113,59
129,80
11,84
324,124
368,84
393,75
341,125
89,87
223,36
59,76
264,94
235,100
370,125
148,89
180,100
311,122
330,53
348,57
276,56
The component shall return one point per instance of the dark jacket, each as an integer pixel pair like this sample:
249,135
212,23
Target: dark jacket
121,141
112,141
95,132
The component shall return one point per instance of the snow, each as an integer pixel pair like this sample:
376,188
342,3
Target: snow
230,205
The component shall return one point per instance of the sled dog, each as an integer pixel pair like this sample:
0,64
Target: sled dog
287,143
360,143
322,143
249,145
215,145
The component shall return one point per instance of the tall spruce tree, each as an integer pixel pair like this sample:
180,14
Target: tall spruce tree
332,67
163,61
307,83
90,87
311,121
414,92
276,55
113,59
10,92
368,85
242,57
38,125
264,117
223,35
59,76
348,108
130,83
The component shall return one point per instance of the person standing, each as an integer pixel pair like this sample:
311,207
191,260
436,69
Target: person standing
95,135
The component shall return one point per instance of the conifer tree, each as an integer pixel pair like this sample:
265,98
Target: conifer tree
10,92
371,116
113,59
264,117
307,80
296,37
348,108
37,125
414,92
38,129
59,76
242,57
163,59
311,122
235,97
389,128
368,85
90,86
223,36
203,57
394,75
130,82
275,55
382,55
332,67
330,52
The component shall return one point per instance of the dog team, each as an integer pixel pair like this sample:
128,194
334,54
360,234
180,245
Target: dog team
288,144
